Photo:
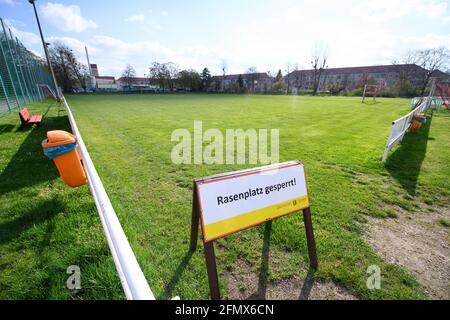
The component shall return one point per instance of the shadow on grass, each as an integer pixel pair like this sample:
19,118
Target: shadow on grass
5,128
308,283
264,271
29,166
176,276
260,294
370,102
45,211
405,163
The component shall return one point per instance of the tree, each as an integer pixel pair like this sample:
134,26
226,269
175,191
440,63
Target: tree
157,75
164,74
279,86
189,79
206,79
319,64
252,76
69,72
288,71
430,60
224,68
128,74
279,76
172,73
240,82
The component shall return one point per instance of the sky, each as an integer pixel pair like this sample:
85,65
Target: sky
266,34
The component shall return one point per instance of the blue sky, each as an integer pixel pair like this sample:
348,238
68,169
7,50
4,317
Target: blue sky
264,34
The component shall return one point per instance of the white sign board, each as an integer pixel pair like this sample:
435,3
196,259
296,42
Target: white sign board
236,201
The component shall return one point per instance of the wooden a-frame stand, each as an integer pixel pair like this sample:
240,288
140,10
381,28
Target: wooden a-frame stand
210,256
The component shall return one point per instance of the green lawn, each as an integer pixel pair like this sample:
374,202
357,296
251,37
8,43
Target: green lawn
45,226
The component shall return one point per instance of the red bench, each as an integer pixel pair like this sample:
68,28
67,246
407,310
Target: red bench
27,120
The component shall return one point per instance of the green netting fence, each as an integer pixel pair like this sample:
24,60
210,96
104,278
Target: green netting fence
22,75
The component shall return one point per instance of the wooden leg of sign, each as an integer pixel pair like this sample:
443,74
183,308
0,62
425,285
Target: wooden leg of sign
310,238
212,270
195,219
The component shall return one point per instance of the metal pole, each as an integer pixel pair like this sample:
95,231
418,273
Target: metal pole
55,84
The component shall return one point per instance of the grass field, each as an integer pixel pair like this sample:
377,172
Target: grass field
45,226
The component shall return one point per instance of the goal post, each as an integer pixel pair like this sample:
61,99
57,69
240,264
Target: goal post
373,90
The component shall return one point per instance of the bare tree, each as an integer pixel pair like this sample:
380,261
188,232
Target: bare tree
128,74
319,64
68,70
252,76
172,73
288,81
164,74
224,68
431,60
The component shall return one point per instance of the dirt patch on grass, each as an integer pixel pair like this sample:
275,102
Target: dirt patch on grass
418,242
247,284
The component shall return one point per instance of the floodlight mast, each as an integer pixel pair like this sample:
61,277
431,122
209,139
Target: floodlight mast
44,44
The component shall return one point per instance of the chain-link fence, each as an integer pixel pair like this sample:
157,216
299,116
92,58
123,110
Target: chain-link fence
21,73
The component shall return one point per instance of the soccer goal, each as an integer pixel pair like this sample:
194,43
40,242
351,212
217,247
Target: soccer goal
47,91
372,90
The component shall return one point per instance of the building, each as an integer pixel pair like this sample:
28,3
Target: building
105,83
251,82
352,77
94,70
136,83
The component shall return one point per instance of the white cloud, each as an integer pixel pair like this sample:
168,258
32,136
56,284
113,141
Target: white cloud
67,18
384,10
134,18
269,39
112,54
27,38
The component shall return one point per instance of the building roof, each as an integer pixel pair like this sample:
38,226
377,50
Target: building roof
134,79
105,77
257,75
364,69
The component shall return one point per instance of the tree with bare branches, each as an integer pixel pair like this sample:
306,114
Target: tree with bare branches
319,64
252,77
127,75
431,60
